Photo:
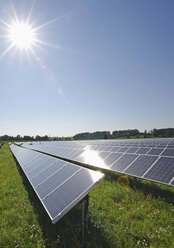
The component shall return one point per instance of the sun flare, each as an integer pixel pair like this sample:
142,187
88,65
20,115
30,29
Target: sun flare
22,35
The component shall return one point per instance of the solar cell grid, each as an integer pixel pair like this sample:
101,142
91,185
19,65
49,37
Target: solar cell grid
37,169
132,150
140,165
115,148
47,172
93,147
25,159
103,155
112,158
62,151
136,146
35,162
99,148
67,154
145,150
142,150
161,146
71,189
121,164
162,170
155,151
76,154
107,149
151,145
52,182
59,185
123,149
170,146
168,152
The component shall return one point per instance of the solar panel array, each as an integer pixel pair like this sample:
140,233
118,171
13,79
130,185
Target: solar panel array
1,145
151,159
58,184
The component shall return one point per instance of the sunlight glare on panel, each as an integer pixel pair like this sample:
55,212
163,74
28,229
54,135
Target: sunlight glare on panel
93,158
95,176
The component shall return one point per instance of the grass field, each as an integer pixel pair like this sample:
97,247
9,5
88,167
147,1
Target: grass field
138,215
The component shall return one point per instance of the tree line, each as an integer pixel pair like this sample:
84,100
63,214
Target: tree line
23,138
108,135
129,133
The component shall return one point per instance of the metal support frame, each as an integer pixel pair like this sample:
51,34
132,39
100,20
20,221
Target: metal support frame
85,204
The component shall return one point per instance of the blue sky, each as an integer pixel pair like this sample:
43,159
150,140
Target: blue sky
107,65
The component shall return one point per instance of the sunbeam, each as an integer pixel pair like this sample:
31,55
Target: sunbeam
6,50
22,34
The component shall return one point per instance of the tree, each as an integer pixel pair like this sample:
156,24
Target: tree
145,134
18,137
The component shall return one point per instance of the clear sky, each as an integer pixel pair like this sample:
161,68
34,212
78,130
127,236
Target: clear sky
96,65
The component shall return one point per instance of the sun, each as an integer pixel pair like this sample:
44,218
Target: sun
22,35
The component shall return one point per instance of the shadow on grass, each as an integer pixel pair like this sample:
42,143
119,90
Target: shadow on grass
157,190
66,233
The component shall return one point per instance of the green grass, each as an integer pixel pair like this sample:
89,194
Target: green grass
131,218
140,215
18,222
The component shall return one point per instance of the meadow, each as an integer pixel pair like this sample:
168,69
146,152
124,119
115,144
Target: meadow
128,213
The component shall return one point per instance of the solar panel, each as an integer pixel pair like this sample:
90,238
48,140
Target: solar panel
141,158
162,171
155,151
140,165
168,152
142,150
104,155
123,162
132,150
115,148
123,149
59,199
58,184
112,158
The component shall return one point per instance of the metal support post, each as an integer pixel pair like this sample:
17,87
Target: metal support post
85,204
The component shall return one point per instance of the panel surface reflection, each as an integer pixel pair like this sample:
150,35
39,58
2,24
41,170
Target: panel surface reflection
93,158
